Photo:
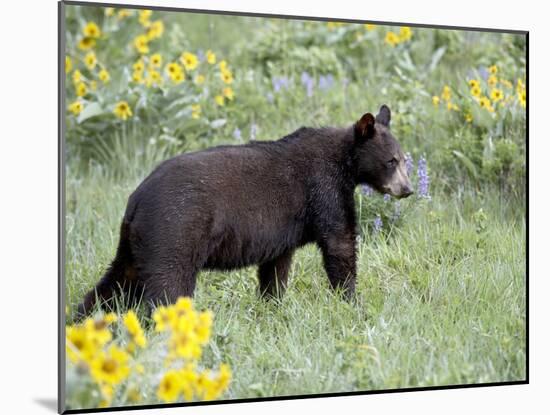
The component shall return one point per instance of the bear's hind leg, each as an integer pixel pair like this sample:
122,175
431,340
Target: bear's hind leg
168,276
273,275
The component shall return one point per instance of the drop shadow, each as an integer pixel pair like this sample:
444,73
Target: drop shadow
48,403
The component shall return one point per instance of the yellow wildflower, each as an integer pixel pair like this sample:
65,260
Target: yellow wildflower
90,60
79,345
91,30
137,77
210,57
452,107
226,76
473,83
219,100
155,30
175,72
140,370
228,93
156,60
110,367
104,403
405,34
522,97
446,94
81,89
98,331
86,43
183,342
178,77
110,318
138,66
107,392
506,83
475,91
172,68
223,65
496,94
370,27
123,13
122,110
109,11
203,327
169,387
163,317
392,39
68,64
188,379
77,76
468,117
492,81
207,388
134,328
93,85
133,395
485,102
153,78
493,69
195,111
104,76
435,100
183,306
199,79
224,376
141,44
189,60
144,16
520,86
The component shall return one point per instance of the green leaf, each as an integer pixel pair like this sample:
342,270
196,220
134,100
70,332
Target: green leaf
436,57
470,166
89,111
218,123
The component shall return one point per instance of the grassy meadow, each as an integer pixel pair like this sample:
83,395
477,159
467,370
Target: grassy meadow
441,275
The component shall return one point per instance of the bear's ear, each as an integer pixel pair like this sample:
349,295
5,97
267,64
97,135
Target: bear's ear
384,116
364,128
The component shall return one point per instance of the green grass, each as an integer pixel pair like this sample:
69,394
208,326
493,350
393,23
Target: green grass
438,303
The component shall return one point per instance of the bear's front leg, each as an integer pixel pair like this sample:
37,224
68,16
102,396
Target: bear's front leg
339,258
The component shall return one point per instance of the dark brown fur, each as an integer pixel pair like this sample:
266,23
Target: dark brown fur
233,206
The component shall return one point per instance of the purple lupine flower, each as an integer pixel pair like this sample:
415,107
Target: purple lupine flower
409,164
483,72
367,190
308,83
386,197
237,134
423,179
396,211
377,224
326,82
253,131
279,83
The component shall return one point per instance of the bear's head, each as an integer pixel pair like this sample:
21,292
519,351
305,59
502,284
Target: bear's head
379,161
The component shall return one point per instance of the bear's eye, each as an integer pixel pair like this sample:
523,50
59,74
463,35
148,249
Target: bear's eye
391,163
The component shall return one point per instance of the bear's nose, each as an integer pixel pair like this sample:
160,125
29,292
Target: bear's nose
407,191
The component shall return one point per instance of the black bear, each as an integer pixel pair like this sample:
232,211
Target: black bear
233,206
